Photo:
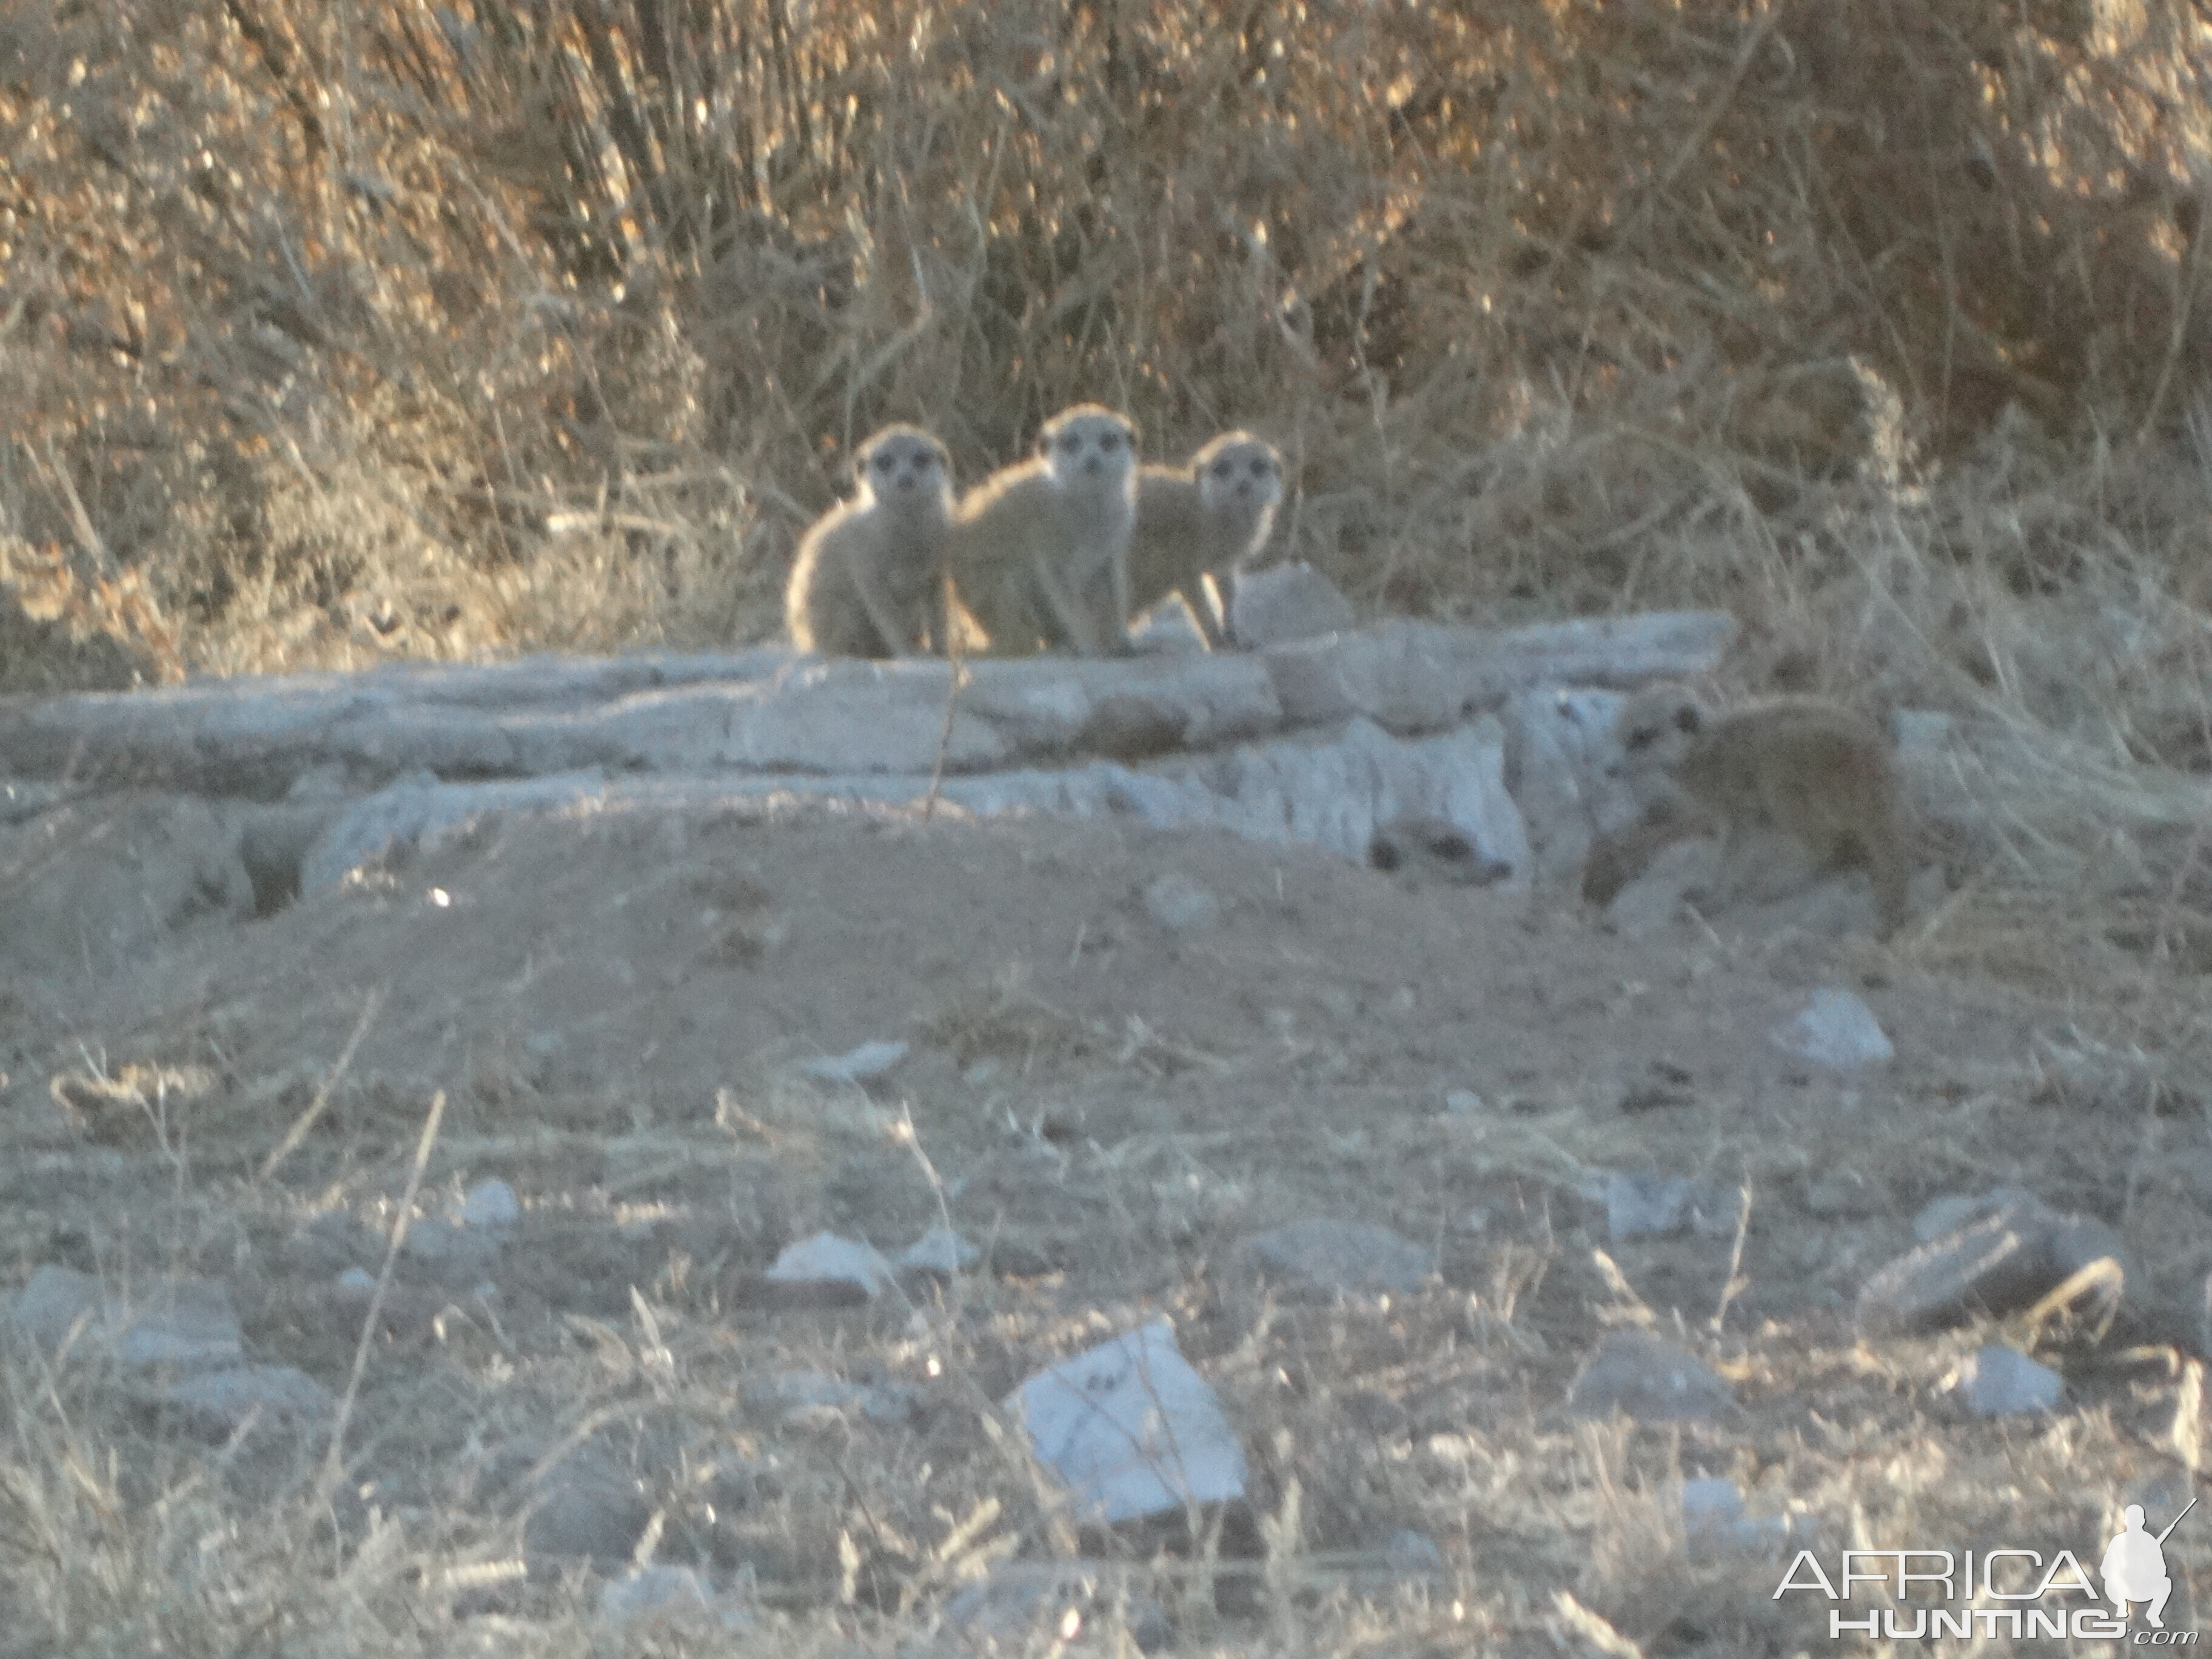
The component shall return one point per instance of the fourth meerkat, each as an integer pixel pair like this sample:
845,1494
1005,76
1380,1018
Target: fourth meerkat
1813,769
869,581
1039,552
1197,524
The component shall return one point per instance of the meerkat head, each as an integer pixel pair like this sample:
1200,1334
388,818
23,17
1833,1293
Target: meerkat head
1241,474
1090,448
1237,467
906,470
1656,725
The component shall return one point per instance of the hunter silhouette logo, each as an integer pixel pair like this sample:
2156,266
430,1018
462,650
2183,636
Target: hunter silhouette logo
1920,1595
2134,1568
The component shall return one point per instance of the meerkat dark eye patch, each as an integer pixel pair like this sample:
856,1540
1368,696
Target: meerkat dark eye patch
1687,718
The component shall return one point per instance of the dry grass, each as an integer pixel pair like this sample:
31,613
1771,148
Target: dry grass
329,334
450,332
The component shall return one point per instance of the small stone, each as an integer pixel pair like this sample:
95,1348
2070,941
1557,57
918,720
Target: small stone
2011,1251
1350,1258
1839,1031
1647,1379
2001,1382
1130,1428
357,1284
1180,904
220,1404
1463,1100
587,1510
490,1204
1285,602
1947,1214
861,1065
827,1258
940,1251
1647,1205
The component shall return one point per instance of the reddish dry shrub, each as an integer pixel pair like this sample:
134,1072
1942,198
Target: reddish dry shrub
326,317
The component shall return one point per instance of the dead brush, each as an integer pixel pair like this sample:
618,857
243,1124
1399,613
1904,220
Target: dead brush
354,376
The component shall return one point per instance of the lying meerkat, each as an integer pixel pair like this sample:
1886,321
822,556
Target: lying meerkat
1815,771
1196,524
870,577
1040,551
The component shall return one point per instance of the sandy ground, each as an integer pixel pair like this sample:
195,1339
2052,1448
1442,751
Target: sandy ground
616,1008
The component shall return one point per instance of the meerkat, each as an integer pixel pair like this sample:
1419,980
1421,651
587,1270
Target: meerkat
1196,525
1040,551
1812,769
869,581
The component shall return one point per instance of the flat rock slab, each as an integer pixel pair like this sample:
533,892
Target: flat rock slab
768,710
1995,1261
1130,1428
186,1323
1335,792
1424,676
1352,1258
1648,1380
1837,1030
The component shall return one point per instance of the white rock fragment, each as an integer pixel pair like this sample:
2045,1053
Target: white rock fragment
827,1258
940,1251
1130,1428
2000,1381
1283,603
1839,1031
1648,1205
870,1060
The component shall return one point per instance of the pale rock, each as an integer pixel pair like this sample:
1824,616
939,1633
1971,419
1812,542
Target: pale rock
1650,1380
827,1258
1837,1030
1997,1381
1284,603
862,1064
1130,1428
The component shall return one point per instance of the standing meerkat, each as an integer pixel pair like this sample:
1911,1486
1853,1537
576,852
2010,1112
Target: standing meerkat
1198,523
870,577
1815,770
1040,551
